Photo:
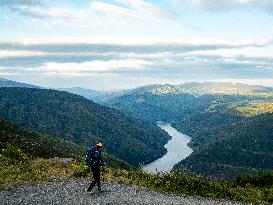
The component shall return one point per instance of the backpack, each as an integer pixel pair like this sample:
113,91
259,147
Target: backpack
92,158
89,157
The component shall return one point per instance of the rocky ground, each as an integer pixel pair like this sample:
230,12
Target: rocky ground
72,192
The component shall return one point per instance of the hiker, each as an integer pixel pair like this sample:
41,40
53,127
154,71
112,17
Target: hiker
94,161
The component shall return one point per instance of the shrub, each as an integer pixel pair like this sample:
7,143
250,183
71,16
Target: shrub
15,154
263,179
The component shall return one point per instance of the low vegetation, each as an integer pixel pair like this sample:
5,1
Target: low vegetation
32,171
18,169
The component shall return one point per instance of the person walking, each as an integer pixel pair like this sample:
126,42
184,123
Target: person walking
94,161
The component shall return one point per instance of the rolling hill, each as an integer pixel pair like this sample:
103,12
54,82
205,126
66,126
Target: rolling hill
246,148
75,118
36,145
214,115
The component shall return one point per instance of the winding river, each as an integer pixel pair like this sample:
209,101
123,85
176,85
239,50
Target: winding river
177,150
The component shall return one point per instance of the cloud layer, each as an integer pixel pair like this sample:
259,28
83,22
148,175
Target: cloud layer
165,59
224,5
91,15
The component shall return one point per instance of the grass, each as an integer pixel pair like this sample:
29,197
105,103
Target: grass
182,184
32,171
17,168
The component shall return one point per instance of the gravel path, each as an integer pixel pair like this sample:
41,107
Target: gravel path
72,192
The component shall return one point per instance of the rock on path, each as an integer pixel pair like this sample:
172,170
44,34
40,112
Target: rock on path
72,192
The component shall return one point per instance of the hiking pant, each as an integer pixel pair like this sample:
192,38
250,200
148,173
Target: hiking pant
96,176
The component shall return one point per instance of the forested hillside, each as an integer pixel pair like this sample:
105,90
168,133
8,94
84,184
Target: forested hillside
165,107
75,118
38,145
198,110
247,147
209,112
34,145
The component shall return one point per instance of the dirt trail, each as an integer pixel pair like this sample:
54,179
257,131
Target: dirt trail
72,192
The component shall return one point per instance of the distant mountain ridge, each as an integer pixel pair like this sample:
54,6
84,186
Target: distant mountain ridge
10,83
212,88
192,88
96,96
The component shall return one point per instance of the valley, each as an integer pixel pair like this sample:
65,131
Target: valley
210,113
230,136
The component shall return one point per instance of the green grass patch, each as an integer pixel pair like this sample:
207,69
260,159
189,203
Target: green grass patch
182,184
18,168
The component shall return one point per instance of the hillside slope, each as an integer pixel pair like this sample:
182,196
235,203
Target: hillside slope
82,121
248,147
38,145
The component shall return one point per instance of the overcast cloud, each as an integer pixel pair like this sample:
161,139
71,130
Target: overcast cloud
158,62
225,5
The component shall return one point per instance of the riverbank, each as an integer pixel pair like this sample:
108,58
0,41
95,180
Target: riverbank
177,150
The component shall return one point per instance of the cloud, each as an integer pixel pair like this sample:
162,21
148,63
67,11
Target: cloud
133,9
96,66
225,5
153,60
125,45
117,11
98,11
22,7
10,3
38,53
149,10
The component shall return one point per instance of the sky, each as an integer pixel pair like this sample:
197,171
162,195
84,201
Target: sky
120,44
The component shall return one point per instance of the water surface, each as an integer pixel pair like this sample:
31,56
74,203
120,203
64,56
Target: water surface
177,150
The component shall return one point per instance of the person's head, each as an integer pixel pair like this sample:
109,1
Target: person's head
99,146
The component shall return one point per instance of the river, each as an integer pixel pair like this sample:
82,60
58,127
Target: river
177,150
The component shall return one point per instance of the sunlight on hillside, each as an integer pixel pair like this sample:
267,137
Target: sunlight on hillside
256,109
